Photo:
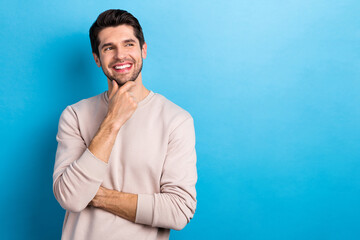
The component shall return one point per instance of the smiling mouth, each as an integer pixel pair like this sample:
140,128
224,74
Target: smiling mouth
122,67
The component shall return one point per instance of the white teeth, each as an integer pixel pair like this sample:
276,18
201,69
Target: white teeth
122,66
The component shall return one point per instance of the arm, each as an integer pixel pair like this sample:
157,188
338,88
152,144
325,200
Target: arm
118,203
78,171
121,106
175,205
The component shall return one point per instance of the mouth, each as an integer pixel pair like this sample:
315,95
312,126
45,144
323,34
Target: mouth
122,67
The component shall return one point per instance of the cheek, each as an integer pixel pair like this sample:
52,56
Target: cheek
103,61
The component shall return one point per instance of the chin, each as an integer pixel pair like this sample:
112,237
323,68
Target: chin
122,82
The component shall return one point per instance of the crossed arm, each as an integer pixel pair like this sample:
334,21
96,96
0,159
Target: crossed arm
119,203
77,184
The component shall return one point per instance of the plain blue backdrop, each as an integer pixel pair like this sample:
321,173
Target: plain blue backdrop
273,87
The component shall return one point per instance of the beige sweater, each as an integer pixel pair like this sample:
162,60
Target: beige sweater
153,156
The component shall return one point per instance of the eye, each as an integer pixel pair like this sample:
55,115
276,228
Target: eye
129,45
108,48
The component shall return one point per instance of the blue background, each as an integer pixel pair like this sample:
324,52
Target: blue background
273,87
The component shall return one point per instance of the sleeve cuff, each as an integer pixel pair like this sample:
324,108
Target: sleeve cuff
145,209
92,165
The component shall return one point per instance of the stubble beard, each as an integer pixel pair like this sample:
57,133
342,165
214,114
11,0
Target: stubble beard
120,80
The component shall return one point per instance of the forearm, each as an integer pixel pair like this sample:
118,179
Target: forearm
77,172
121,204
172,210
103,141
121,107
75,186
165,210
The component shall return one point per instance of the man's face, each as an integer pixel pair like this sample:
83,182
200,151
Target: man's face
120,56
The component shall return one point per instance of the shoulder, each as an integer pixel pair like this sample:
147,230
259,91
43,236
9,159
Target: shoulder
170,108
172,113
83,107
88,103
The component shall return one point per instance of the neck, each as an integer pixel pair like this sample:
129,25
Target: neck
139,91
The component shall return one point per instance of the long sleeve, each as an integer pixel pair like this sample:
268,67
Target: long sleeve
78,174
175,205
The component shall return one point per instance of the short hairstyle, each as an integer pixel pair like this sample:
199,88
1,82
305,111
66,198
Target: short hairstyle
113,18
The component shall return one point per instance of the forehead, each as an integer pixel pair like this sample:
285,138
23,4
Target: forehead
116,34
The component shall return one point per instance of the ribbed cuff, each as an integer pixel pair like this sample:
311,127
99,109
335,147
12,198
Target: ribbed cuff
92,165
145,209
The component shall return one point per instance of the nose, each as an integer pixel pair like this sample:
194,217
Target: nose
119,54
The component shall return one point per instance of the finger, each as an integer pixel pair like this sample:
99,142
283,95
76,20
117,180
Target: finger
127,86
114,88
132,95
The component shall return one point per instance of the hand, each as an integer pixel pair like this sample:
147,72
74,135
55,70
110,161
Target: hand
101,193
122,103
121,204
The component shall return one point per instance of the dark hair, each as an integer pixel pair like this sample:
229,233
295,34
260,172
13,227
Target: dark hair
113,18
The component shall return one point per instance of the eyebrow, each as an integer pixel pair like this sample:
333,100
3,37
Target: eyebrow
106,44
129,40
125,41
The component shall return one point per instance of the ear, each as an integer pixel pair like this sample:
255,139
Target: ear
97,60
144,50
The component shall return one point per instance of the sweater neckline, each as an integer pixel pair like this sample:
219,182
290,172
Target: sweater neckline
140,104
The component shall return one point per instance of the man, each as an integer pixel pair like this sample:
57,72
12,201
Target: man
125,164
